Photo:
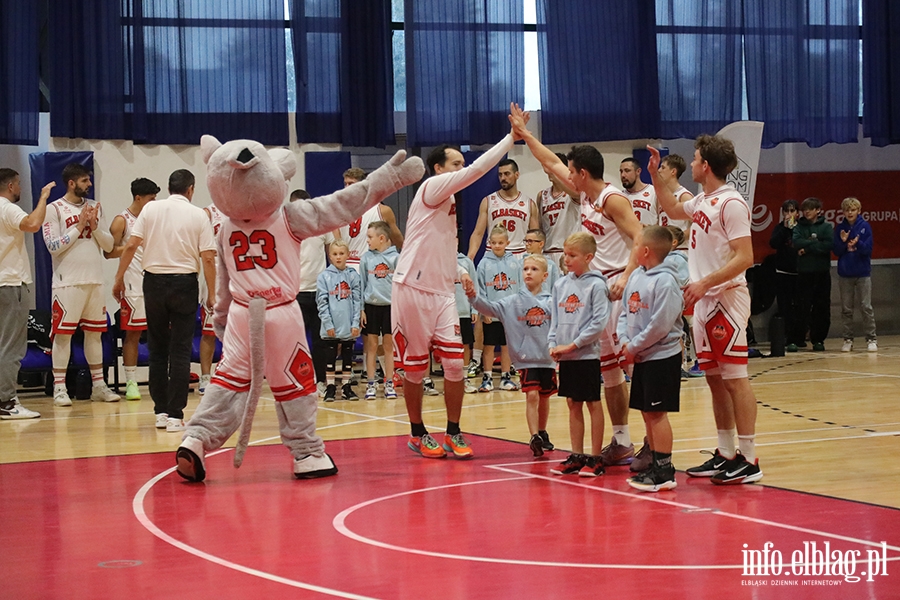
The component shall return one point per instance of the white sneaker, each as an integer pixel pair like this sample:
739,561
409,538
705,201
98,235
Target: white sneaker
101,393
389,392
428,387
469,388
847,346
174,425
61,396
162,419
204,381
371,392
872,346
320,388
313,466
189,459
17,411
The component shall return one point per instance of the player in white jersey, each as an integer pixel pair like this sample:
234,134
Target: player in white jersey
354,233
560,208
133,314
508,207
423,303
608,216
671,168
641,195
720,251
208,334
76,235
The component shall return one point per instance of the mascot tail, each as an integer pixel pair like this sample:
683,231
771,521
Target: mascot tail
257,372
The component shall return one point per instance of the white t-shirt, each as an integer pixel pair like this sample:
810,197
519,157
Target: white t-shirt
14,266
716,219
174,233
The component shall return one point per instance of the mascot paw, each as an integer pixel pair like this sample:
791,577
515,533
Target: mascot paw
409,171
189,460
314,466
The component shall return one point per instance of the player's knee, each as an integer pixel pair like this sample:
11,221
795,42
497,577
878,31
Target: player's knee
415,376
613,377
453,369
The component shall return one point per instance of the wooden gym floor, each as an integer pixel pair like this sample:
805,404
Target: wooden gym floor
93,509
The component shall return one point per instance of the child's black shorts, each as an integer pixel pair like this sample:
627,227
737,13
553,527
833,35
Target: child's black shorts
542,379
466,332
656,385
580,380
494,334
378,319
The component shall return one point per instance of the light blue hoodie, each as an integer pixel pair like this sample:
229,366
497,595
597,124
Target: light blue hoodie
462,302
650,322
376,270
526,320
498,277
553,273
679,260
579,313
338,298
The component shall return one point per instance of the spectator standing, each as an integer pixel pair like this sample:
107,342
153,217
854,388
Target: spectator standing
853,247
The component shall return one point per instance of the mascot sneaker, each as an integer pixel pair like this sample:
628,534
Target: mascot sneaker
313,466
189,459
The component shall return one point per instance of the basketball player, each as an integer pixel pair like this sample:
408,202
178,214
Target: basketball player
208,335
76,237
423,298
133,315
355,233
719,252
560,208
608,216
508,207
671,168
641,195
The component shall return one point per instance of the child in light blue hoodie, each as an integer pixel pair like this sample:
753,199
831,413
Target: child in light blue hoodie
650,331
579,312
467,316
499,274
376,268
338,297
526,319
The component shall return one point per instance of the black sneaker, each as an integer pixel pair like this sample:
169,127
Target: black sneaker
537,445
330,392
545,437
572,464
348,393
738,470
654,479
710,467
593,467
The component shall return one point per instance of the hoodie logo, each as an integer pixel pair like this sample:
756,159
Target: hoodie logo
572,303
342,290
535,316
381,271
500,282
635,304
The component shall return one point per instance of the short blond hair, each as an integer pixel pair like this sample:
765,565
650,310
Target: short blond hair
851,202
498,230
338,244
582,241
539,260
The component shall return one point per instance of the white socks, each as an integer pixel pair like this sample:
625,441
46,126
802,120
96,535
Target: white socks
621,435
726,442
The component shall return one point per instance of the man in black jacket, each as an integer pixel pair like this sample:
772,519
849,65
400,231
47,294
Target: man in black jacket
786,275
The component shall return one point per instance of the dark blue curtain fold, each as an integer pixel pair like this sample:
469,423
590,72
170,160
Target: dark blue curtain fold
344,73
598,70
464,65
19,92
699,65
881,71
166,72
802,65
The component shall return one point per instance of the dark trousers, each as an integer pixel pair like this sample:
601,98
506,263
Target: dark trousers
319,349
789,307
346,353
814,299
171,302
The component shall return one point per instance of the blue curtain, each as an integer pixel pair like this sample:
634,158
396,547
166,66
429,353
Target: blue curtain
803,70
19,92
464,65
343,70
168,71
881,71
598,70
699,68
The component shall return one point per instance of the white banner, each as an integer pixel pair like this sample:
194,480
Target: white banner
747,138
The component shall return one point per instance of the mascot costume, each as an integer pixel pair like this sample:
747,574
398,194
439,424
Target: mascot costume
256,315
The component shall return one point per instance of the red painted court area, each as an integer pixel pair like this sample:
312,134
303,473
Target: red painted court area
393,525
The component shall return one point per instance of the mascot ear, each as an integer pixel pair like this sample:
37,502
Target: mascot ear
286,162
208,145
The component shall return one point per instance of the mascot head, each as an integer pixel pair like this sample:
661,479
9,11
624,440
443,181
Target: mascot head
246,181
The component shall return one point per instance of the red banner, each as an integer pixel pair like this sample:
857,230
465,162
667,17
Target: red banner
876,190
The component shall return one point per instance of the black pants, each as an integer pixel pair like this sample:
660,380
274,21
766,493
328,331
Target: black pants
788,307
814,299
171,302
319,349
331,351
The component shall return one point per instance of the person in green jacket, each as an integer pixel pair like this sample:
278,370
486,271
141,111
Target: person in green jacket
813,239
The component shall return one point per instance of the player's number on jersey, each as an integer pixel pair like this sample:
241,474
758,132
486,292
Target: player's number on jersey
355,227
240,246
510,225
693,238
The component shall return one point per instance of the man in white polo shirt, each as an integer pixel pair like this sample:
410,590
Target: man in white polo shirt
176,237
15,288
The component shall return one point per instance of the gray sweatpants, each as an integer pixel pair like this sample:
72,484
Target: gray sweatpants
857,292
15,301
